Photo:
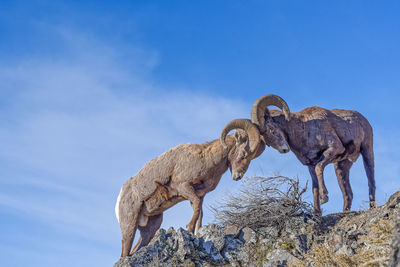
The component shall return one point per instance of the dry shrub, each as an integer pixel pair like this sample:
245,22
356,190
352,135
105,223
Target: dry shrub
264,201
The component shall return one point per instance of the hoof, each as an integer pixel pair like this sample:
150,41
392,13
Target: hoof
317,212
323,199
189,229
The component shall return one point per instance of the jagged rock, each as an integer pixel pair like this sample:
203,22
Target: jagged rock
232,230
359,238
394,200
213,233
395,245
278,257
301,243
248,235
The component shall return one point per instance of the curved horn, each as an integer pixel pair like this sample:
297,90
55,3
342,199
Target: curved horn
261,105
252,132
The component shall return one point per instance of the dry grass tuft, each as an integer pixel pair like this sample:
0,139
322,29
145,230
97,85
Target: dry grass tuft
374,252
264,201
322,256
380,233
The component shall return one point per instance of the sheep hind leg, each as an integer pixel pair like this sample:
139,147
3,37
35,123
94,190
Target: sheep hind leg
147,232
368,158
315,190
342,169
128,235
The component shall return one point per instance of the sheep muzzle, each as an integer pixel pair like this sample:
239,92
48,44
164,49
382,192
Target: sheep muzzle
237,175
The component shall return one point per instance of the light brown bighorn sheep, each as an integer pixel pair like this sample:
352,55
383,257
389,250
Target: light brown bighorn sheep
185,172
317,137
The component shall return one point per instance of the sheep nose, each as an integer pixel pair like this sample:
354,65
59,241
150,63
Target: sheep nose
284,149
237,176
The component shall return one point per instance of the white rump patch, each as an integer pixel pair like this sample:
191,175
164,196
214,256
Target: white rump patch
117,205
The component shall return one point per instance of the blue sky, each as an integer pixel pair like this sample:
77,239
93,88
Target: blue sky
89,92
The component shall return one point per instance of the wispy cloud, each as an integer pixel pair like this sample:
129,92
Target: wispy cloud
78,126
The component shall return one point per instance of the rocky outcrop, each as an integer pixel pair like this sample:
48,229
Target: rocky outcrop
395,257
393,202
342,239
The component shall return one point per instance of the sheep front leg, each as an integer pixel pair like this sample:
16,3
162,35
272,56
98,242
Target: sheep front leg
336,148
186,190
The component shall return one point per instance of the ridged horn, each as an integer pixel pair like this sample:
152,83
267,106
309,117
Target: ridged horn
252,132
261,105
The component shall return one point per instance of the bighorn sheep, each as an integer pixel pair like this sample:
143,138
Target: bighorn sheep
185,172
317,137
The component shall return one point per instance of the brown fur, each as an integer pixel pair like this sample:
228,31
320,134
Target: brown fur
318,137
185,172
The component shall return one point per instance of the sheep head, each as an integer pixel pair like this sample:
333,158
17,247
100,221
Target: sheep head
271,132
247,141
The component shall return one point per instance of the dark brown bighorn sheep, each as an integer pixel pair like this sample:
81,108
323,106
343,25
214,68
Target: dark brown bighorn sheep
317,137
185,172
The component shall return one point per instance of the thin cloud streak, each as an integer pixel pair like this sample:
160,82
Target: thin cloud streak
73,138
